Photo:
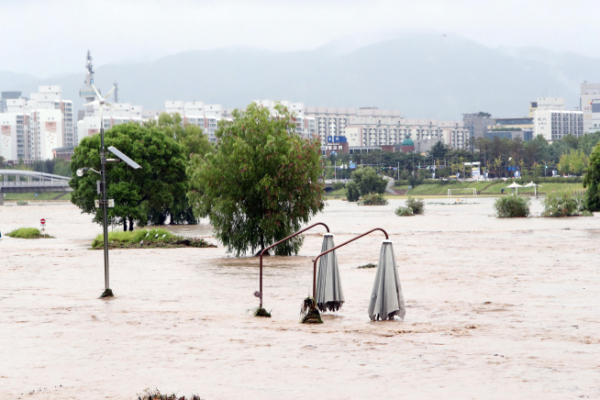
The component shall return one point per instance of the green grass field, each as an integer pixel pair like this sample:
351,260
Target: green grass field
486,188
490,188
40,196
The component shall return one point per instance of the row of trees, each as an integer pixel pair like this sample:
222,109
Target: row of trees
536,158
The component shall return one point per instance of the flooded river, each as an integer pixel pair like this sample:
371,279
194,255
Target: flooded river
496,309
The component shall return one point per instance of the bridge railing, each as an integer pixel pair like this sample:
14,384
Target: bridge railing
33,183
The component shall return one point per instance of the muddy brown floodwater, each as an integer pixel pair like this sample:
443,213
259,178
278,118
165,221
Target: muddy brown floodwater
496,309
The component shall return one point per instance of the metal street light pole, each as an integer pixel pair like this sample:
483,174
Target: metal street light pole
107,291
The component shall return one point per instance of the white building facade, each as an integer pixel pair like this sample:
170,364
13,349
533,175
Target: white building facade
306,126
120,113
382,131
554,125
206,116
32,128
589,104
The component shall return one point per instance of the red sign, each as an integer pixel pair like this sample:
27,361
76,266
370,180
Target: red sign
43,221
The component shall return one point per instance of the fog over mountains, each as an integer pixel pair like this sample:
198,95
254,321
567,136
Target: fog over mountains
423,75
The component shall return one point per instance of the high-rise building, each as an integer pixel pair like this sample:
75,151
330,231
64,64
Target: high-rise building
306,125
589,104
206,116
6,96
554,125
330,121
37,125
388,130
477,125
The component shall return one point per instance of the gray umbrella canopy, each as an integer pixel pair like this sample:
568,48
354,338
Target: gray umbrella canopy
386,297
330,296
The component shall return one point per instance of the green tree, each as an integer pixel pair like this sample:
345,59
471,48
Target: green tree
62,167
161,178
592,180
439,150
352,192
194,144
261,183
573,162
368,181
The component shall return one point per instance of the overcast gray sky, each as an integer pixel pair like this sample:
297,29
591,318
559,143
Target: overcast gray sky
45,37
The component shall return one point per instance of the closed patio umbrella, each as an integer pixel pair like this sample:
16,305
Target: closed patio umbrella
386,296
533,185
515,186
330,296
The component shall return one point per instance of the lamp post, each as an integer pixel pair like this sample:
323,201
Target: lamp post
101,102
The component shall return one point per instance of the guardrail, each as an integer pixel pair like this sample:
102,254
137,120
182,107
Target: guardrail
33,183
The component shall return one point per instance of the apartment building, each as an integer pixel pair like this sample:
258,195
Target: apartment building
306,126
206,116
120,113
554,125
589,104
385,131
37,125
330,121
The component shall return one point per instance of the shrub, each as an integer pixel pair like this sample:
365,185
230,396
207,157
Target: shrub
368,181
417,205
148,235
373,199
415,181
27,233
563,204
413,206
338,186
512,207
22,203
404,211
352,192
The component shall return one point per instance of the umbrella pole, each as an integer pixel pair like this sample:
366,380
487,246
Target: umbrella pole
262,253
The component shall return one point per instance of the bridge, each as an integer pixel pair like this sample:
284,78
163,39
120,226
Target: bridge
34,182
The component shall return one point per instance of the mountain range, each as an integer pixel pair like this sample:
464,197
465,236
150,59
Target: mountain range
422,75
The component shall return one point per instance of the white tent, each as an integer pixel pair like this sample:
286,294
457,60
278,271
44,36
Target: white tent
533,185
515,186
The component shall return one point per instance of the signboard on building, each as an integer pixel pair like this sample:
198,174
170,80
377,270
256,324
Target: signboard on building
337,139
337,148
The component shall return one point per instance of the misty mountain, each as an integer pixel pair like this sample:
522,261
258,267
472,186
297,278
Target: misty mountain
423,75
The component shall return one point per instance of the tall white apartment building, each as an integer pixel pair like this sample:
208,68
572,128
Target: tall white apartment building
589,104
12,135
554,125
306,126
120,113
330,121
206,116
382,131
37,125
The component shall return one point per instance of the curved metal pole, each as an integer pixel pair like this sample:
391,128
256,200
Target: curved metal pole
337,247
260,294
